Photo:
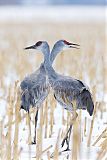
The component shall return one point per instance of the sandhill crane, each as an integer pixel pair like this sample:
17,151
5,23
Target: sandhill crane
35,88
34,91
66,89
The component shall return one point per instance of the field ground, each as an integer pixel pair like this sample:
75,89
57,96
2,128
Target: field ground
89,135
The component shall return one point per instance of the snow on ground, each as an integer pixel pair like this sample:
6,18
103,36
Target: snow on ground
90,152
28,152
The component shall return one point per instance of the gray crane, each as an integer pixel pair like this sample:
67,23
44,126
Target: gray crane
67,90
35,87
34,90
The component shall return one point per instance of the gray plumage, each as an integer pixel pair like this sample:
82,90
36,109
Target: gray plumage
34,88
66,89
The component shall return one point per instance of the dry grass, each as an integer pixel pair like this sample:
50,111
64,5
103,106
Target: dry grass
88,64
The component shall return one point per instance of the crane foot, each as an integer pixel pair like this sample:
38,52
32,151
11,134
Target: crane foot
67,149
33,142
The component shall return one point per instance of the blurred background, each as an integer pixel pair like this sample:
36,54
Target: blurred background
23,23
52,2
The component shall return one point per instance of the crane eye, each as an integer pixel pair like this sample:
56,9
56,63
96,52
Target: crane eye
38,43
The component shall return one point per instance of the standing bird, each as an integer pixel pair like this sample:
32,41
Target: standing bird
35,87
66,89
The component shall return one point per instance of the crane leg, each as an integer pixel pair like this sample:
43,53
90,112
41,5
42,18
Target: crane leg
68,134
67,138
36,119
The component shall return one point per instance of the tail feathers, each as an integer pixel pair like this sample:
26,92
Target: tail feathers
87,101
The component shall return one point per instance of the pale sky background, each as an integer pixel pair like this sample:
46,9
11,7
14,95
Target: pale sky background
52,2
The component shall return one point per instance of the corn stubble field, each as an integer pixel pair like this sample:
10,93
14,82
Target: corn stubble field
89,134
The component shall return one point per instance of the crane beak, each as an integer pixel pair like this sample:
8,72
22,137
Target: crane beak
74,45
31,47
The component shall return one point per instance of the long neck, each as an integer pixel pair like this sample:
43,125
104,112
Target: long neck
54,53
48,66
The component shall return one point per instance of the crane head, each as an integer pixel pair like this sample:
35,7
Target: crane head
63,44
40,45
